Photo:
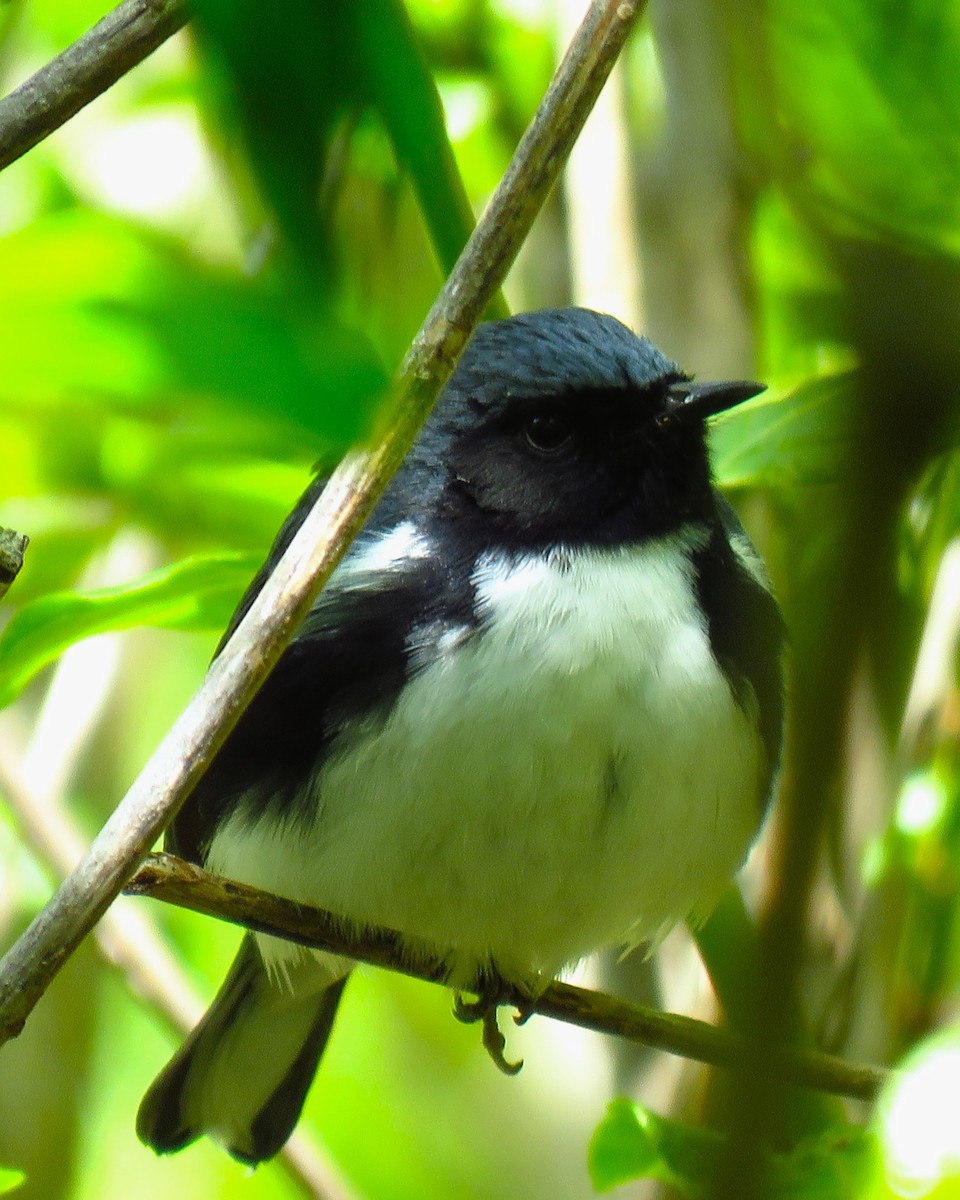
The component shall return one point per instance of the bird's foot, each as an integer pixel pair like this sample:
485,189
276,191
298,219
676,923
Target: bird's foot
493,992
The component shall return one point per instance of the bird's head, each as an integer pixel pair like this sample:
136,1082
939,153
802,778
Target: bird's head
563,425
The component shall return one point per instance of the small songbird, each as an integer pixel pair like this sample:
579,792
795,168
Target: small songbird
537,710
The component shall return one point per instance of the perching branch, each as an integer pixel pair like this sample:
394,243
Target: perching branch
13,546
176,882
83,71
328,529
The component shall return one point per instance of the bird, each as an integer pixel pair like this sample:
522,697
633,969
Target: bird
537,710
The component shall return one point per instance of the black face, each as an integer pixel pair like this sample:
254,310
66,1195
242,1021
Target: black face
563,426
591,466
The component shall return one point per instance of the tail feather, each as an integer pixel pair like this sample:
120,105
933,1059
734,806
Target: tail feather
242,1075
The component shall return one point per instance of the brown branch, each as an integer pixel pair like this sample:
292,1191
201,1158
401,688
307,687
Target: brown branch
327,531
174,881
95,62
13,546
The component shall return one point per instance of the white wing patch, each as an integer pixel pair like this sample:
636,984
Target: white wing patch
388,550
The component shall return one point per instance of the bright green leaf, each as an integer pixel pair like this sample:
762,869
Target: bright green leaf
690,1154
404,93
631,1142
286,77
802,307
327,61
10,1179
199,593
620,1149
136,320
634,1143
799,440
855,107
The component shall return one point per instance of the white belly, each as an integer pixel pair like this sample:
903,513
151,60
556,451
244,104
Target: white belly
579,775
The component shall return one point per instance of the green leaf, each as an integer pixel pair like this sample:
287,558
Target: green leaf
620,1149
198,593
292,76
285,77
856,107
633,1143
802,439
802,306
10,1179
403,91
136,320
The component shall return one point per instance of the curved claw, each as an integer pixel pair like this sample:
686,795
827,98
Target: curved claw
524,1012
470,1011
490,997
495,1043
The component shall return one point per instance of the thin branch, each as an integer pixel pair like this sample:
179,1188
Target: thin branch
327,531
174,881
95,62
13,546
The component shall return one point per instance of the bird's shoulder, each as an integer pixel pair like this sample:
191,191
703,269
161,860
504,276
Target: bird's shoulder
396,593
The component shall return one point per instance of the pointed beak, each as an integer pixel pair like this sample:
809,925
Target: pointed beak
690,401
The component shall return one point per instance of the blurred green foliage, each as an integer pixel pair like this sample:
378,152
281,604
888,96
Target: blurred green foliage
199,592
9,1180
631,1142
206,280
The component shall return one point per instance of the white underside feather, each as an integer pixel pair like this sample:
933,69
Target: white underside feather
577,775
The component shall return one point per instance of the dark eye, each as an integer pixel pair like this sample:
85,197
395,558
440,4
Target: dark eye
549,433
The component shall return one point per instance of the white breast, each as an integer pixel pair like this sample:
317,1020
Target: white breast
577,775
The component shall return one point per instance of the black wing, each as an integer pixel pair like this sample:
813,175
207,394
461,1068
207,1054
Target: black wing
350,658
746,628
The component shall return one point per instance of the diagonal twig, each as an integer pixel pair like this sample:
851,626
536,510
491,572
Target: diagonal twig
44,102
328,529
170,879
